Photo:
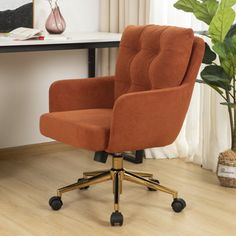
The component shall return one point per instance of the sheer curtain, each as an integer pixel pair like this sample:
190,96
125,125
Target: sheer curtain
206,130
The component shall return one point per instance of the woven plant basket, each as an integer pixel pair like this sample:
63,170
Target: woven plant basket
226,169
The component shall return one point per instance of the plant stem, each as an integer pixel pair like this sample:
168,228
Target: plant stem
232,96
233,147
231,121
234,125
234,90
50,2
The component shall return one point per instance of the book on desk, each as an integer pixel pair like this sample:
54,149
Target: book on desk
22,33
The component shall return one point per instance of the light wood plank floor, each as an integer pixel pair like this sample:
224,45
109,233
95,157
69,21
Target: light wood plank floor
28,180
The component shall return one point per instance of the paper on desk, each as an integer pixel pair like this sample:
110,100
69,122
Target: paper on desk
5,37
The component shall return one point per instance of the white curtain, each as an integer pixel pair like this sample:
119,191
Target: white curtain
206,130
115,15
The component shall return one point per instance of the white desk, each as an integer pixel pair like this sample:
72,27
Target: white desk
89,41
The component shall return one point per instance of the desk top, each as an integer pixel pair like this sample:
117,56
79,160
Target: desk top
62,42
70,38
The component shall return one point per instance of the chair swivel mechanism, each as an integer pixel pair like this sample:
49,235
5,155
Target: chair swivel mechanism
142,106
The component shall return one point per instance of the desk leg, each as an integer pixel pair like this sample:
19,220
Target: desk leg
91,62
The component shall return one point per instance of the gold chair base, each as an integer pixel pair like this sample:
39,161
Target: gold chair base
117,174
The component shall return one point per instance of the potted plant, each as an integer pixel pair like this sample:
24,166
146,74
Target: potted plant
220,75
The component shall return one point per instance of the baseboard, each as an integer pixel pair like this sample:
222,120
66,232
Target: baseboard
34,149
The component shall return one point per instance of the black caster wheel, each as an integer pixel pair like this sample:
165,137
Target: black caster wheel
55,203
178,205
116,219
81,180
156,181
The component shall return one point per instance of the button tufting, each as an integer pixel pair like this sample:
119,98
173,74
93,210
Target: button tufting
148,58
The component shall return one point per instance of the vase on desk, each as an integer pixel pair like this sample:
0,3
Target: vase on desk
55,23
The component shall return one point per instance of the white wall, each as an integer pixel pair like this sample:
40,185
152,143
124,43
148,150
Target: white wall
26,77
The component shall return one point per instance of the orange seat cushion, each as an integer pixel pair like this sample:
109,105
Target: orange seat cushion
87,129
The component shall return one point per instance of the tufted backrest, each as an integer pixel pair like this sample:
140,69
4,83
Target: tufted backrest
152,57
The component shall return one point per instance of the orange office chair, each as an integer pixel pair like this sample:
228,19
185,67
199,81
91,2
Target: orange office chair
142,106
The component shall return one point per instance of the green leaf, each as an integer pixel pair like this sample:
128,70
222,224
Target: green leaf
218,90
233,44
186,5
221,24
230,46
229,104
212,6
227,3
221,50
202,32
200,81
215,76
212,85
228,68
209,55
232,31
203,11
227,49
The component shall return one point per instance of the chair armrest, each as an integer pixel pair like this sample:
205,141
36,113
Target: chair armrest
148,119
65,95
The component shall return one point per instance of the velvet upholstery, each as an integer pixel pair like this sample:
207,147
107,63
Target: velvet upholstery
80,128
152,57
142,106
66,95
153,118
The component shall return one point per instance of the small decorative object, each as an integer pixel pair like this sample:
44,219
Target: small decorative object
226,169
220,75
55,23
15,14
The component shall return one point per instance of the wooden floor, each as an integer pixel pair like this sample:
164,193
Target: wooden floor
28,180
